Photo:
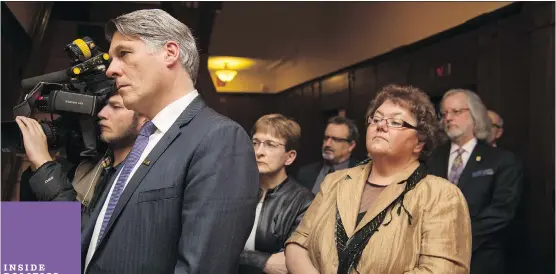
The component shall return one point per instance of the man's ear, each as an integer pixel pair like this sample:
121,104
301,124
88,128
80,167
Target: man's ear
352,146
172,53
499,133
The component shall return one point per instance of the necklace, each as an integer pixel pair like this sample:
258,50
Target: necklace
375,185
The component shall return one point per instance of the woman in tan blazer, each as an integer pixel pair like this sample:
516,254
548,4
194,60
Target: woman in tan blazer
387,215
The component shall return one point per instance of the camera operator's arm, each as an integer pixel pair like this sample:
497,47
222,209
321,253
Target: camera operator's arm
48,181
51,183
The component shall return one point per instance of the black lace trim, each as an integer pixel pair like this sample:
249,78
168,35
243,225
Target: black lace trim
350,250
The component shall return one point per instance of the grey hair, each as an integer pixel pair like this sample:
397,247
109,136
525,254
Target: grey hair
155,28
478,111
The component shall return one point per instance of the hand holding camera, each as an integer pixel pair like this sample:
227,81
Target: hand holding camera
34,141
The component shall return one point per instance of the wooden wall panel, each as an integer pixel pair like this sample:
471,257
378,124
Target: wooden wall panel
393,71
456,57
16,47
335,92
514,49
488,72
363,90
306,113
540,144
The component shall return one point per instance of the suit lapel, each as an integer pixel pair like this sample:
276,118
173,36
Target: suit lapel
173,132
472,164
88,230
349,196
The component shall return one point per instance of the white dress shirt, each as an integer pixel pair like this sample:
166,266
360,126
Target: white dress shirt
468,147
163,121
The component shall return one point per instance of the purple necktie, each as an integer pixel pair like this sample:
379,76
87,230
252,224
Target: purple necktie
131,160
457,167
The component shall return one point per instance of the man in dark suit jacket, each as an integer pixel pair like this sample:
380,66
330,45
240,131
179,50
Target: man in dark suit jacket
184,199
489,178
340,138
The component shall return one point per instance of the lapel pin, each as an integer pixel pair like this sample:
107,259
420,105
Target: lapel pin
478,158
147,162
106,162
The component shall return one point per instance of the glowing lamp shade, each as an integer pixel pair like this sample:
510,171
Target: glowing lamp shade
226,75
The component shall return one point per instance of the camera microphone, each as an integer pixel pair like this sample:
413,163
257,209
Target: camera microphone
53,77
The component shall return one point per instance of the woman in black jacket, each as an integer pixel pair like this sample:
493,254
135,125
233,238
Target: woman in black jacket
283,201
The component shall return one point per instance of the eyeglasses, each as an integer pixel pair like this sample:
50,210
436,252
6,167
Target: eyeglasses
454,112
335,139
390,122
266,144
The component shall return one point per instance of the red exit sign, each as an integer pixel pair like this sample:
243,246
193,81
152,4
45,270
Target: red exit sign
444,70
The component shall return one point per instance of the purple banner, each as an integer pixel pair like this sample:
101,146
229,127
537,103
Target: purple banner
41,237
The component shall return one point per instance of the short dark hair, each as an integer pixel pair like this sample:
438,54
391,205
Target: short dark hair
420,105
353,130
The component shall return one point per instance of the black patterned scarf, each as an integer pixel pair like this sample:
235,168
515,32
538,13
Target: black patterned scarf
350,250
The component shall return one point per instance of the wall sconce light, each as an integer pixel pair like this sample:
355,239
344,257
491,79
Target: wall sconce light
226,75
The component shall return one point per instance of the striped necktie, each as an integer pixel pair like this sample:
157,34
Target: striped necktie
131,160
457,167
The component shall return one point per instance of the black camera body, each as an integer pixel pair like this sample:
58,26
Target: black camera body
76,94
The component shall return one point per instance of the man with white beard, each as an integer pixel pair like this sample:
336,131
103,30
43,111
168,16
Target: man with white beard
489,178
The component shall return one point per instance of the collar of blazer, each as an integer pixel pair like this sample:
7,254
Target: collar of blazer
191,111
350,189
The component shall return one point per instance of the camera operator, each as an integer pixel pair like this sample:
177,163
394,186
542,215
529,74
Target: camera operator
119,128
25,193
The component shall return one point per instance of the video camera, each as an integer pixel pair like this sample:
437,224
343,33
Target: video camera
76,94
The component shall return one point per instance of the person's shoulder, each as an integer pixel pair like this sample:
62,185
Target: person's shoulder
311,165
438,189
334,179
215,119
360,163
301,191
498,155
213,123
503,153
437,182
354,162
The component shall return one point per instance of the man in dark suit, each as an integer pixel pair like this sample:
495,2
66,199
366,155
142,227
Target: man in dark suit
340,138
489,178
184,199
